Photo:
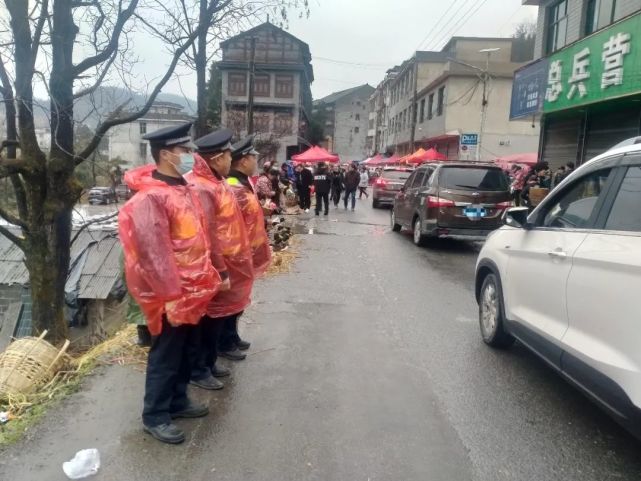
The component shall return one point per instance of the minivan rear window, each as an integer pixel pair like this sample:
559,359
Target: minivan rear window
473,178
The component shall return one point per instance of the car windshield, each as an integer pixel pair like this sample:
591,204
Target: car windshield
473,178
401,176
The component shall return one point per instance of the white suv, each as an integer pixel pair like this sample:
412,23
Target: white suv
566,281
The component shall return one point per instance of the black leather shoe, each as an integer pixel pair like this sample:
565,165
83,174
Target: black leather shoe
209,383
193,410
243,345
233,355
166,433
144,336
219,371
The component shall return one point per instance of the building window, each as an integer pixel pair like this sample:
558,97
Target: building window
284,86
261,85
557,26
441,99
430,107
237,84
143,150
599,14
422,116
143,128
357,130
357,117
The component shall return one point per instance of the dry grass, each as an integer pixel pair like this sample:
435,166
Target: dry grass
282,261
26,409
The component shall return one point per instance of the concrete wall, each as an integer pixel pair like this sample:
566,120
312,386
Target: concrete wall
350,114
576,20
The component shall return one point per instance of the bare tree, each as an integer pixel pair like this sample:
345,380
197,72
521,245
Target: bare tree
68,48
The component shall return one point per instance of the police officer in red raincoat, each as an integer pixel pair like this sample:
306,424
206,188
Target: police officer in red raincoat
169,274
244,165
231,256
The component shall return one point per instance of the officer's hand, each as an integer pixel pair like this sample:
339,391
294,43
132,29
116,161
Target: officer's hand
226,285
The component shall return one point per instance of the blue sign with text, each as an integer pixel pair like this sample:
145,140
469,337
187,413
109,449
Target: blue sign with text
469,139
528,89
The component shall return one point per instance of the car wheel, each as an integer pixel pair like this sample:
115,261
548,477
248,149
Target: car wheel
395,227
491,316
418,237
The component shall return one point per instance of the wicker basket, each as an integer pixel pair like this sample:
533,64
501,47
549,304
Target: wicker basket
28,362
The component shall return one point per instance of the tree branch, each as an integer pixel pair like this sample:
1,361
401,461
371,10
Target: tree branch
95,221
35,43
19,241
115,119
90,62
99,80
12,219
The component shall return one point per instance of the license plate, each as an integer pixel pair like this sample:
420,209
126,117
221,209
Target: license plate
474,212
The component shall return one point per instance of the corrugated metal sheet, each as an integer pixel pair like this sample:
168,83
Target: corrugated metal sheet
13,273
96,287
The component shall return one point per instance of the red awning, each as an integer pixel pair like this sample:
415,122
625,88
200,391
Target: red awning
421,156
314,155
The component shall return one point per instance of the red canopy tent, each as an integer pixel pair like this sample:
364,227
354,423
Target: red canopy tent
315,155
507,161
421,156
375,161
394,159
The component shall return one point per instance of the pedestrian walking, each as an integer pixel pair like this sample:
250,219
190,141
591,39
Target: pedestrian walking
264,186
363,184
304,180
322,187
231,256
337,180
172,284
352,181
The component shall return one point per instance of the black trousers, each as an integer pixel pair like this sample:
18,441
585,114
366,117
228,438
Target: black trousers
336,195
322,197
203,349
362,190
229,336
304,198
168,371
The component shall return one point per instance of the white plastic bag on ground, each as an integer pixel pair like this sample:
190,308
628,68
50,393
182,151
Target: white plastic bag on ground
85,463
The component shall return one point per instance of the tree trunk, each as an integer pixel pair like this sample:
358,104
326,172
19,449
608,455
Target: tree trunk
47,259
200,62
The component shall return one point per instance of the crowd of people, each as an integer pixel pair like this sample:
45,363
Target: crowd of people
523,179
194,241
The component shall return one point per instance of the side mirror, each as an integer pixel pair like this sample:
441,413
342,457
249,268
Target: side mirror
517,217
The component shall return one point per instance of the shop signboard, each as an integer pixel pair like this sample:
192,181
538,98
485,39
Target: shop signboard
467,146
603,66
528,90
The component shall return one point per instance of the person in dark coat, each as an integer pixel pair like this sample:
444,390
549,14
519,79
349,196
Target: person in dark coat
337,178
322,186
304,180
352,179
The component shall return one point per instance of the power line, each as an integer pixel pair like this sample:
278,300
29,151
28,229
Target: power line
454,19
345,62
431,32
466,18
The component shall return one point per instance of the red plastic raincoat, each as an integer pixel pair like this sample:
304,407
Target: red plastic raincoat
255,222
167,258
228,239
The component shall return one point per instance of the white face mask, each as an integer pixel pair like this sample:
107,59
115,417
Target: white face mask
186,162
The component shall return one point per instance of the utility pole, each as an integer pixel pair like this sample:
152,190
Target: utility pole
485,78
250,101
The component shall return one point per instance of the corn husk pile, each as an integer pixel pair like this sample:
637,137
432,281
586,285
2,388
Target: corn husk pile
283,260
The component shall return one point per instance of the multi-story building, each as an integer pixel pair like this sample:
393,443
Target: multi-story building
282,93
346,119
126,141
436,101
586,83
380,101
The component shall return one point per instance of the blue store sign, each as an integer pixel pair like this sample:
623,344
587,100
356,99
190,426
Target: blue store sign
528,90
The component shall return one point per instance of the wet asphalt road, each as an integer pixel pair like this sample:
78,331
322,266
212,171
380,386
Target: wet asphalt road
366,364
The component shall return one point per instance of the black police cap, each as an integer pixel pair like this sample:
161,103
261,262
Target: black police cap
243,148
174,136
215,142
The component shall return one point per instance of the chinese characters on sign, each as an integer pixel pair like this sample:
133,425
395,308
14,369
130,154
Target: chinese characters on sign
613,52
580,73
555,84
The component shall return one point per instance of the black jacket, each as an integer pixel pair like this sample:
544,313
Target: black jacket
305,178
322,181
337,180
352,179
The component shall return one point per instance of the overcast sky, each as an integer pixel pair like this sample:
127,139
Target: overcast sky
378,34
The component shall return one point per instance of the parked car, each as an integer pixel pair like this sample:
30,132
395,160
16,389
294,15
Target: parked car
102,195
123,193
565,281
387,185
452,199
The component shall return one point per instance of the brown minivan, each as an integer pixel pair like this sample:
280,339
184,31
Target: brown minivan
452,199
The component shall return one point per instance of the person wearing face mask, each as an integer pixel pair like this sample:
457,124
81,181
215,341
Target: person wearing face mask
169,273
231,256
244,164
